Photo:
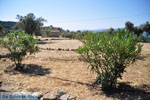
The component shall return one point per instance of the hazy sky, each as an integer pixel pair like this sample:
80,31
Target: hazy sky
79,14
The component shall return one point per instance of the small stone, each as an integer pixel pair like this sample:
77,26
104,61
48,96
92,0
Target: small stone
67,49
41,98
59,49
38,94
73,49
64,97
39,39
28,87
60,93
49,96
5,54
1,83
1,73
72,97
3,59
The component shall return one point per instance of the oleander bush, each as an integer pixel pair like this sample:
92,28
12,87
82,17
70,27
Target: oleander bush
69,35
19,44
83,36
109,54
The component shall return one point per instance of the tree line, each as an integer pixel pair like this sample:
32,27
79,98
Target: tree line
137,30
32,25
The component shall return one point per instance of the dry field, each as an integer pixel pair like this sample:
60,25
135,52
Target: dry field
52,70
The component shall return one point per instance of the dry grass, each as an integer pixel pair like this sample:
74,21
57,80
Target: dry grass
65,72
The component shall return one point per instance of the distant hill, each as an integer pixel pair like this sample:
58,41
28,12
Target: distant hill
7,24
103,30
99,30
96,30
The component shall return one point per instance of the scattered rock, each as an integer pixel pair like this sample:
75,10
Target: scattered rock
60,93
73,49
66,49
64,97
38,94
49,96
41,98
59,49
1,72
1,83
72,97
39,39
46,39
5,55
3,59
52,49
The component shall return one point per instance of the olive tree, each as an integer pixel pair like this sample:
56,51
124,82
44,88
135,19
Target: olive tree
138,31
129,26
110,30
109,55
146,28
29,23
47,31
19,44
1,30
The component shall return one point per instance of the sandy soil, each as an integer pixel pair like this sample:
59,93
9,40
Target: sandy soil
64,44
51,70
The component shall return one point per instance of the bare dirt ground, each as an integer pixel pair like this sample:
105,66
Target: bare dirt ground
51,70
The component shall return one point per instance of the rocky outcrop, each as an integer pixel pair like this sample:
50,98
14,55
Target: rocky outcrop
60,95
49,96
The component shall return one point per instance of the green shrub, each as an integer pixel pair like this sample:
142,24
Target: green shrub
47,31
109,55
83,36
19,44
79,36
70,35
